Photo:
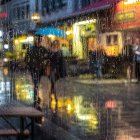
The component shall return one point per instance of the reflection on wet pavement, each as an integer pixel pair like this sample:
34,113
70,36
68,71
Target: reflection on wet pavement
99,112
5,86
23,88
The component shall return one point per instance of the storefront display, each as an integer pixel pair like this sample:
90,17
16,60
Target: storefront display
24,89
82,42
127,15
112,43
21,44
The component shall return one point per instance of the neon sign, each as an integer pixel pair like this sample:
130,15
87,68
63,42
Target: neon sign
3,14
131,1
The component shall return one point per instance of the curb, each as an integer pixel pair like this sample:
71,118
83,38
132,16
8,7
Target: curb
104,81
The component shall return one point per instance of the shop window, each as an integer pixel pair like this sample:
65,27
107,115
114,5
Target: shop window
52,6
27,11
115,37
14,11
22,12
108,40
112,40
18,13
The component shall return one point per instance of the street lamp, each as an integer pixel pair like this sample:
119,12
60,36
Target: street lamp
35,17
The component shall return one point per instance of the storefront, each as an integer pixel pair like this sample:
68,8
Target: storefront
24,89
83,31
112,43
84,37
21,44
126,19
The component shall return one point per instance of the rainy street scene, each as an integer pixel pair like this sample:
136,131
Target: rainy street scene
69,70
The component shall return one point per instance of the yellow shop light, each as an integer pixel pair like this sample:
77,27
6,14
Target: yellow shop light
52,37
130,1
16,41
30,39
69,32
86,22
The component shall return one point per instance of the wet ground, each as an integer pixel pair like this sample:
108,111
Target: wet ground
106,110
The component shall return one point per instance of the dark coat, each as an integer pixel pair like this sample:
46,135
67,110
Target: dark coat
128,53
37,58
58,64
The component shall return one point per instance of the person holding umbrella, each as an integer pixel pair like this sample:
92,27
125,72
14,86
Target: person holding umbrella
36,58
58,69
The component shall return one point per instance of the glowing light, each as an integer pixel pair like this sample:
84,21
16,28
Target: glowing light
110,104
69,107
5,71
3,14
51,36
86,22
131,1
16,41
35,17
23,41
6,46
1,33
30,38
68,32
53,103
5,59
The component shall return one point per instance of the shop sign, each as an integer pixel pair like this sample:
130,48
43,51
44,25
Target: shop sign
132,2
110,104
127,16
3,14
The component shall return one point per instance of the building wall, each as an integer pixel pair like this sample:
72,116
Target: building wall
52,10
21,15
5,20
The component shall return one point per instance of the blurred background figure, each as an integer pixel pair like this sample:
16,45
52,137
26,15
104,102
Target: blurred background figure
100,60
92,59
97,58
58,69
137,57
128,57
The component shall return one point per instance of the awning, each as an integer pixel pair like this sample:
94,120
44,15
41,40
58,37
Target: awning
95,6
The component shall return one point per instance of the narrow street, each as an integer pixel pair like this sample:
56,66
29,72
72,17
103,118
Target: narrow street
83,110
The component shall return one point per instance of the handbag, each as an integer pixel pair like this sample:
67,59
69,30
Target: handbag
138,58
138,55
48,70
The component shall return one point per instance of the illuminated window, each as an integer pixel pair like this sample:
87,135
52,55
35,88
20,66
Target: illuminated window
111,40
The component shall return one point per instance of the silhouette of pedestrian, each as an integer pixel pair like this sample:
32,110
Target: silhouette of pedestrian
128,57
58,69
137,58
34,59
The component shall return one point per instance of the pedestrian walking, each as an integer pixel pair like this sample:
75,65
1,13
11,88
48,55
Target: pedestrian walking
58,69
100,60
92,59
34,59
128,58
45,84
137,58
97,58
